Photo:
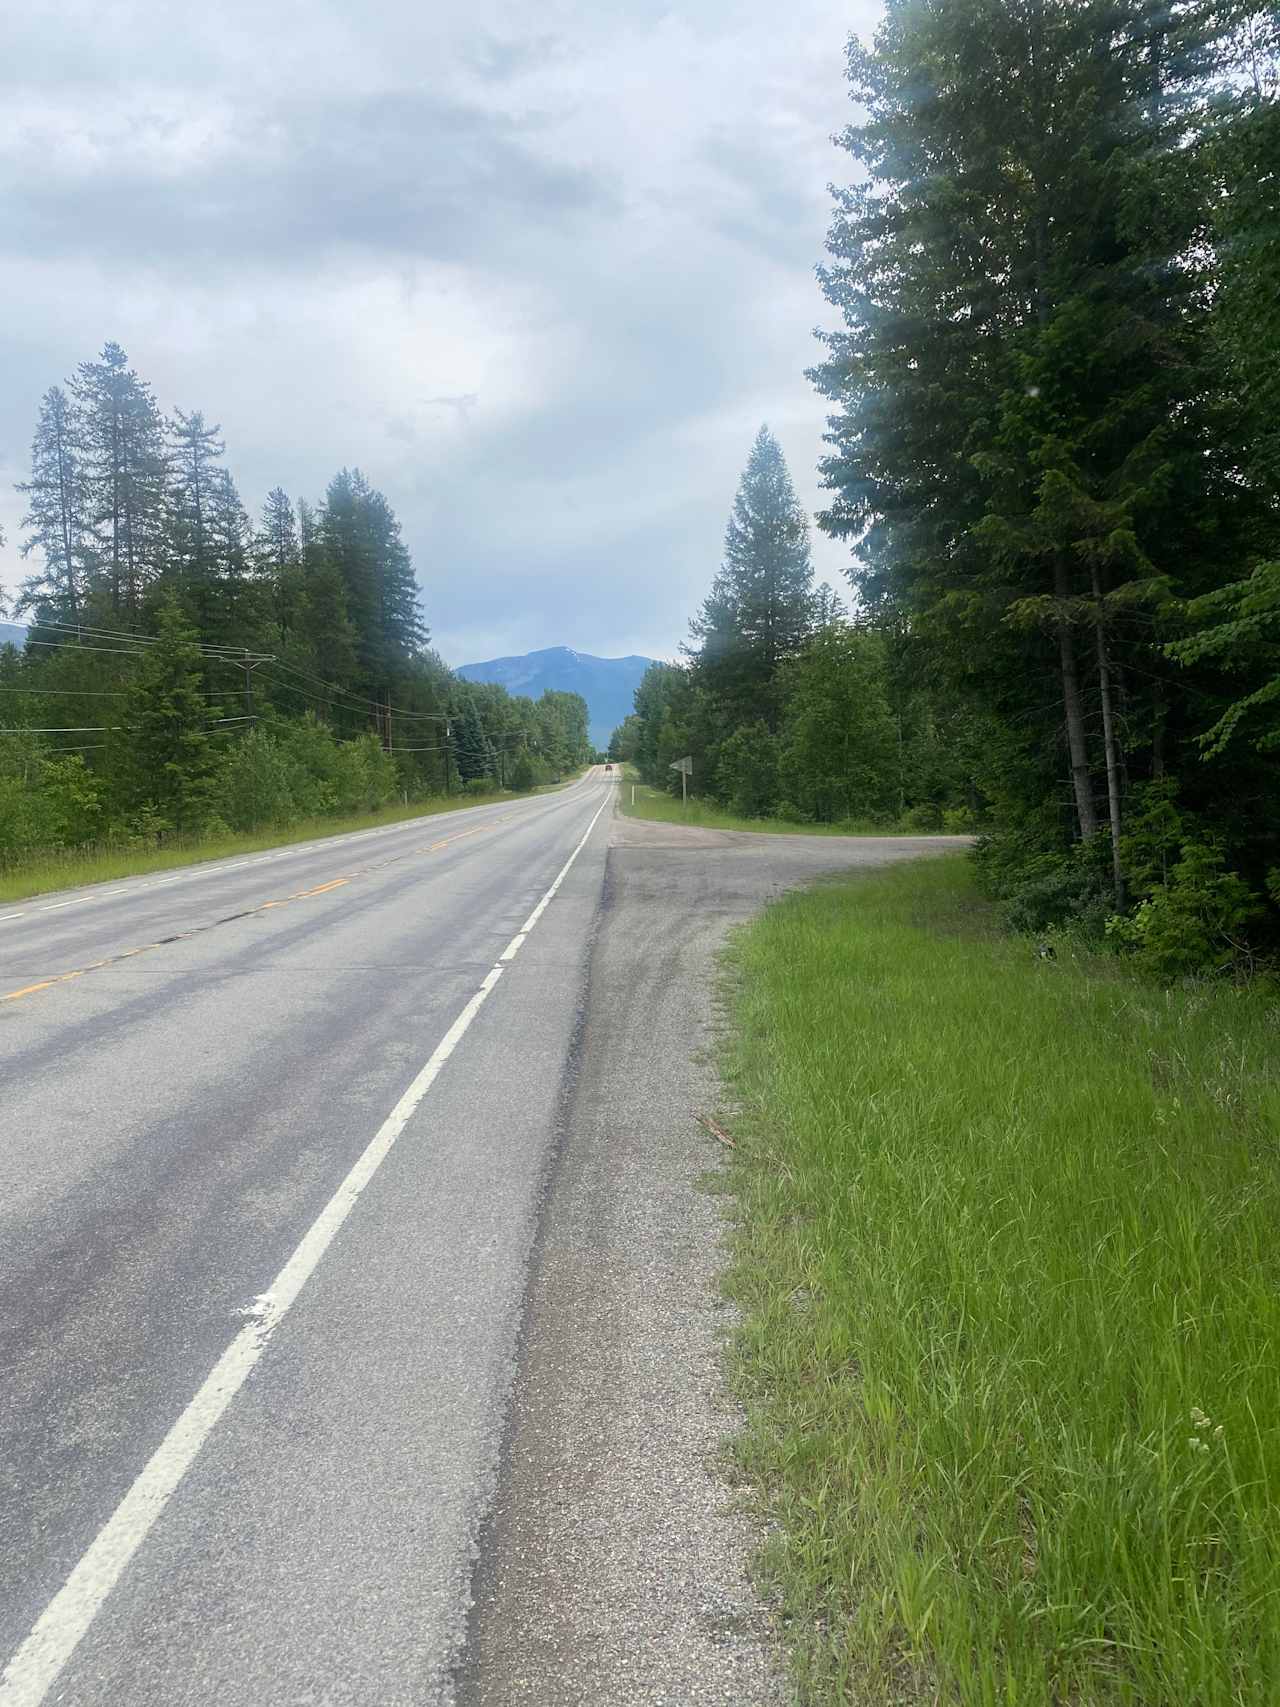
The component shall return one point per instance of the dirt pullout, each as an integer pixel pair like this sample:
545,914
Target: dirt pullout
615,1571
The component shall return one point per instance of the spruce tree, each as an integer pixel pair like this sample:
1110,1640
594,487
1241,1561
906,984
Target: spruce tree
124,469
194,452
1019,443
161,755
55,497
761,605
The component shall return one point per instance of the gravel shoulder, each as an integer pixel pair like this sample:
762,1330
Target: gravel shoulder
615,1566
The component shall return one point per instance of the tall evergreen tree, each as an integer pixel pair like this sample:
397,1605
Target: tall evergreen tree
1019,447
194,452
278,534
124,467
761,606
161,751
361,539
55,515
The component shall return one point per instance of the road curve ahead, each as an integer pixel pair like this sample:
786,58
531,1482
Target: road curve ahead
274,1138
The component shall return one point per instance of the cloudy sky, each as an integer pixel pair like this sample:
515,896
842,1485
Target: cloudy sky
540,271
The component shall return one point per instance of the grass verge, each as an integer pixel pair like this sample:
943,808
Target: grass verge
72,868
664,808
1007,1259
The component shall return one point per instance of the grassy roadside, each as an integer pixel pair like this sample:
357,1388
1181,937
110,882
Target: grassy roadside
664,808
1007,1260
72,868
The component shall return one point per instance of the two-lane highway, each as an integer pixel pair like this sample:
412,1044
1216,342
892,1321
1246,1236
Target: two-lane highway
273,1134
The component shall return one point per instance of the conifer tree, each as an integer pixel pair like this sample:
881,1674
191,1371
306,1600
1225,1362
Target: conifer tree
194,452
161,750
124,469
55,515
761,605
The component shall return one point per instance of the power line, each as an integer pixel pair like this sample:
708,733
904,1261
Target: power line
374,704
103,728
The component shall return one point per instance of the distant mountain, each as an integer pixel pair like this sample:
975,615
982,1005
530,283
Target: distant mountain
607,684
12,635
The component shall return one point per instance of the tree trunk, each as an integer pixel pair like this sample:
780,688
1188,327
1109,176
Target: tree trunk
1077,746
1110,746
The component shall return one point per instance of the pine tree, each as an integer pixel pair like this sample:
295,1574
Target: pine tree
1019,448
161,758
55,516
472,753
194,451
124,469
278,544
761,605
361,539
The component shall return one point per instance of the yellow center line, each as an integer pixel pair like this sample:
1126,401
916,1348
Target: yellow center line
262,907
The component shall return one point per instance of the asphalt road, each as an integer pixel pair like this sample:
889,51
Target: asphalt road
321,1243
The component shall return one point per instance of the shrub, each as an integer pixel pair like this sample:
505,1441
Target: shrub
1041,889
747,772
925,816
1196,922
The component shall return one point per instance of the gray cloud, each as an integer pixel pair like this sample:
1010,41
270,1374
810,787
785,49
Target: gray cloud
542,285
395,173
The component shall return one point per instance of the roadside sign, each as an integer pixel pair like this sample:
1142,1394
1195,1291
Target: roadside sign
683,765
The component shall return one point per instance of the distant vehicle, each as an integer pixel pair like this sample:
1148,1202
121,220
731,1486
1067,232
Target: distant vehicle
608,767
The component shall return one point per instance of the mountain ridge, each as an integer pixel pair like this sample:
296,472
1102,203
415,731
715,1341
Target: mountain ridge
607,684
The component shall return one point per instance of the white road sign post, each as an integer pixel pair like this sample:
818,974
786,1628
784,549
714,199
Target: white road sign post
685,767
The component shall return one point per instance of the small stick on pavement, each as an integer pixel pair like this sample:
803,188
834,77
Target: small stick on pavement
717,1131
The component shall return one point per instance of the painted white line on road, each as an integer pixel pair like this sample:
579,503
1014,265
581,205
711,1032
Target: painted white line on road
57,1632
20,915
59,904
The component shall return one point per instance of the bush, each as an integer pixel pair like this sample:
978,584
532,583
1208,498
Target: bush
252,784
1041,889
45,801
959,820
522,774
1196,922
925,816
747,772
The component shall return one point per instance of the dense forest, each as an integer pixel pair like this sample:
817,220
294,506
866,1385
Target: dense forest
187,671
1055,453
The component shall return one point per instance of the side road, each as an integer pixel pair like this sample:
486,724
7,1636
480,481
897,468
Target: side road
615,1566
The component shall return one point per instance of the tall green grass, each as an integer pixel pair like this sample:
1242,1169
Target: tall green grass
48,869
1009,1260
655,804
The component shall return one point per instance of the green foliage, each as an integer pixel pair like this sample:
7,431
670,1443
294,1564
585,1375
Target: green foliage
202,673
161,750
1239,626
841,756
1046,889
1004,1262
1197,921
45,801
747,775
1053,444
761,606
522,774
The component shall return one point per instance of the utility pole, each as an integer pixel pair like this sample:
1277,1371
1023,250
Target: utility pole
249,664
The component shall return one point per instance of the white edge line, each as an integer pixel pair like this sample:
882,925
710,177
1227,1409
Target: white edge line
20,914
57,1632
214,868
